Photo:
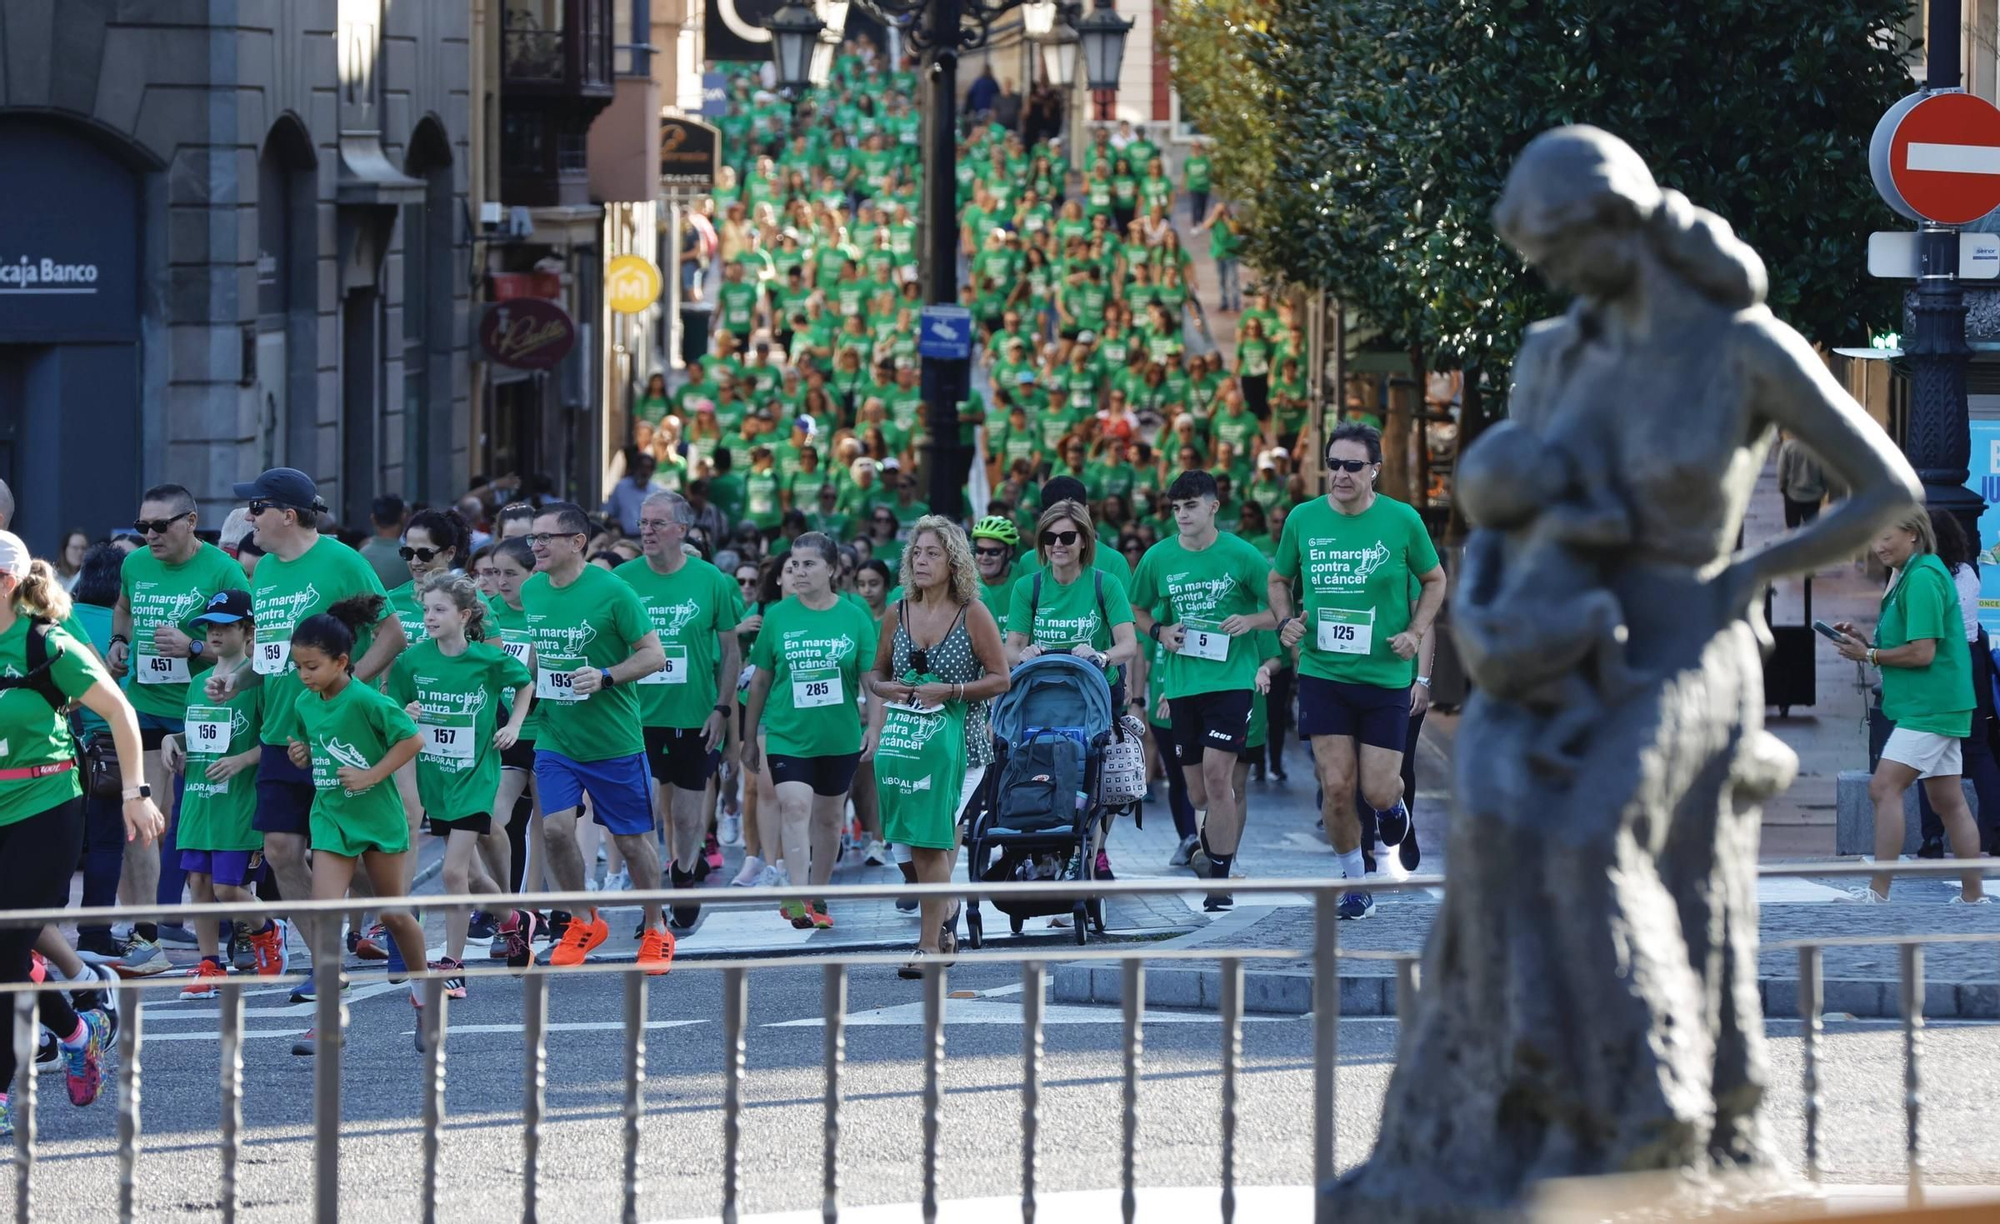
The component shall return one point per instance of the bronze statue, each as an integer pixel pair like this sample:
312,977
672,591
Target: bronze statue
1590,987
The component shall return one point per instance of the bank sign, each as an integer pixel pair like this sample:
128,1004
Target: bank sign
69,243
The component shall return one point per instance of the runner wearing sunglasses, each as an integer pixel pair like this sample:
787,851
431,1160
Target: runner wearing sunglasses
1355,553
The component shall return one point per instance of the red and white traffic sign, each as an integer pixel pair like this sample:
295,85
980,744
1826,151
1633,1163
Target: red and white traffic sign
1943,157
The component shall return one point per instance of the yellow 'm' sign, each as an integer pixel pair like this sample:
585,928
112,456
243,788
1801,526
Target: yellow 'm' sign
631,284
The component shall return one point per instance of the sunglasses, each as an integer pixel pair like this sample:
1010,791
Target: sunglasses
537,540
418,554
920,659
258,507
159,526
1349,465
1064,538
989,552
746,582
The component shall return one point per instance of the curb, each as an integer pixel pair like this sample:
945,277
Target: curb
1280,992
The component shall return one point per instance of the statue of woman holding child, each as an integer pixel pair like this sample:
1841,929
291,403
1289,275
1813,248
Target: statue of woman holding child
1590,995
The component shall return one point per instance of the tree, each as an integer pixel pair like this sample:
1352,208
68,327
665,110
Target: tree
1398,120
1210,44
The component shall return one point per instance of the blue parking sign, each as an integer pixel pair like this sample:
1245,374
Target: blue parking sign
945,332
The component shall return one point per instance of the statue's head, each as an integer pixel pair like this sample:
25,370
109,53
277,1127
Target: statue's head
1582,207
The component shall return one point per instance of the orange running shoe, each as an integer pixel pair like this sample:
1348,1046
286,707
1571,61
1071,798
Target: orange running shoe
656,951
205,976
821,919
579,939
269,947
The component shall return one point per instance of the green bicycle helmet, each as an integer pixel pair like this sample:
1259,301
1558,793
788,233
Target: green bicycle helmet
994,527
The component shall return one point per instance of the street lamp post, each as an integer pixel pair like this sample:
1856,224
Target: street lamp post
941,29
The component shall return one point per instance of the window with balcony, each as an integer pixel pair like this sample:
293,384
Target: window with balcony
557,42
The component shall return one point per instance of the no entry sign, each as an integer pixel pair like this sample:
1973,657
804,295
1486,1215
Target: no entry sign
1936,157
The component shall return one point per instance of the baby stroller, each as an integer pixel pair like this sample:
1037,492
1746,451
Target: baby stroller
1037,823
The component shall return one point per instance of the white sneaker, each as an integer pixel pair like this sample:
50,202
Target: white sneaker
1868,896
1962,899
878,853
753,870
729,830
775,876
1389,863
1059,922
622,882
590,884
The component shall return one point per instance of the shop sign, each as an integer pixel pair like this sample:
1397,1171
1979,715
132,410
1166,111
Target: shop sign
69,249
527,334
690,151
631,284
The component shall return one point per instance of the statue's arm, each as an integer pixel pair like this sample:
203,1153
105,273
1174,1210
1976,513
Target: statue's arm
1794,391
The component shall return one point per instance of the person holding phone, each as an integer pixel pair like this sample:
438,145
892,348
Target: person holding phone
1919,645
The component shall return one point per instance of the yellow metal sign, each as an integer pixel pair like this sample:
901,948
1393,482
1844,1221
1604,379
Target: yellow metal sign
631,284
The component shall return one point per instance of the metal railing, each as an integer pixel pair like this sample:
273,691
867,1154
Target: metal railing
330,1014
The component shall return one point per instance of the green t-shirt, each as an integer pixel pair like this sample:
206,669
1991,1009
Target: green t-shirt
595,621
1924,604
1108,559
816,660
690,609
458,769
1069,615
1200,590
409,610
1259,731
285,593
356,726
1357,573
738,302
162,594
33,734
508,629
760,497
217,815
1195,173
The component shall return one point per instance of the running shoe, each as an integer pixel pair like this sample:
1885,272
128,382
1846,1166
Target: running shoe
454,986
482,926
270,956
1867,896
143,958
753,870
622,882
1103,866
1184,851
97,990
203,979
821,919
516,938
711,853
48,1052
177,934
308,991
304,1046
1394,824
1355,905
729,830
685,914
242,951
368,947
656,951
1216,903
877,853
1961,899
795,913
100,948
579,939
83,1063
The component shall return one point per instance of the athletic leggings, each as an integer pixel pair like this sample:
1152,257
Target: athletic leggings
37,856
1177,792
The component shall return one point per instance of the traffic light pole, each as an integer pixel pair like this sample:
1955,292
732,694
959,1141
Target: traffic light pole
1939,439
945,380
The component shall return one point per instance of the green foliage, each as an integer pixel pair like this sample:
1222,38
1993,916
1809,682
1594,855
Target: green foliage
1209,43
1397,121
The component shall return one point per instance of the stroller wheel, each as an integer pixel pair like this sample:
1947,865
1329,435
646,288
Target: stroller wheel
1014,924
975,926
1081,922
1096,910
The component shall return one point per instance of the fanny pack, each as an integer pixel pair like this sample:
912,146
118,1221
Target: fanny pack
29,773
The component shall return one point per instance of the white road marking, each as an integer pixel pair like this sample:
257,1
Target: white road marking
572,1026
1953,158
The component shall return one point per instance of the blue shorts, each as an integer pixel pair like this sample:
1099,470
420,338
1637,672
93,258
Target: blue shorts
1378,717
235,868
621,793
284,794
155,727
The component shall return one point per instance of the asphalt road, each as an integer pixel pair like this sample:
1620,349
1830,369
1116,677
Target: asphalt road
881,1133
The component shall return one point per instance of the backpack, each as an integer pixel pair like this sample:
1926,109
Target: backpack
1039,784
41,676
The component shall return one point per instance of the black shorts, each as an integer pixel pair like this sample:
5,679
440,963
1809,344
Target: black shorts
520,756
827,775
1209,720
1379,717
479,822
679,757
284,794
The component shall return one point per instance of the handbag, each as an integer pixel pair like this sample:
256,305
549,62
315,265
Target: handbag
1121,772
101,776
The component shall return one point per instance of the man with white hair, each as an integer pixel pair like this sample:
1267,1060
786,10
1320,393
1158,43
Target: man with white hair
6,505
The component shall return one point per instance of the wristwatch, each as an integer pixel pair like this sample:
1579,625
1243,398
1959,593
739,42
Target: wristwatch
1154,631
609,679
1424,680
141,791
195,648
119,637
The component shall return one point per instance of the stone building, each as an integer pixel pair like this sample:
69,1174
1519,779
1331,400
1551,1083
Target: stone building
236,234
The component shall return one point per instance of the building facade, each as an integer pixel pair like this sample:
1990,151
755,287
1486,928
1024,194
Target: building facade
238,236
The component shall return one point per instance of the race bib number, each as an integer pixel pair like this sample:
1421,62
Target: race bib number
673,671
208,731
447,737
1203,640
812,689
1341,631
273,658
552,679
159,669
517,648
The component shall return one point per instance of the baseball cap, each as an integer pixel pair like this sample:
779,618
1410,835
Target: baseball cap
1025,377
225,608
288,487
14,556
